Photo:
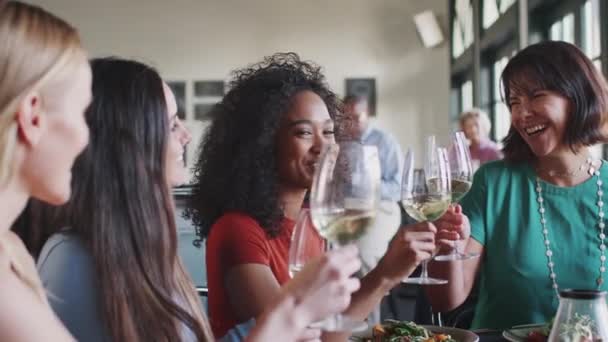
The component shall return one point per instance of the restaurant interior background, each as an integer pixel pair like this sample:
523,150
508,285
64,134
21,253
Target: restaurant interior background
419,90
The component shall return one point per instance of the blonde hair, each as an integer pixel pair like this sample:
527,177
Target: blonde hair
482,118
36,46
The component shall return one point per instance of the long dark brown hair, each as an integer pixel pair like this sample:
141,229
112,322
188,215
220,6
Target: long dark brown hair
123,211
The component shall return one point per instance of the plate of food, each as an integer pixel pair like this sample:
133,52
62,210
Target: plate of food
528,333
403,331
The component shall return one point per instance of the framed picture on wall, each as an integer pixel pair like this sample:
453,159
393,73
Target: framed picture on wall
364,87
209,88
179,90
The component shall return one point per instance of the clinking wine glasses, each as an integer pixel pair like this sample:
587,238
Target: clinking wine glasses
426,193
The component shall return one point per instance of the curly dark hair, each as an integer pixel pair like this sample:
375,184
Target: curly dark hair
237,168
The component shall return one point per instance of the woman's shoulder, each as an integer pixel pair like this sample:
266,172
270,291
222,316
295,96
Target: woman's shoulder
63,243
64,252
235,225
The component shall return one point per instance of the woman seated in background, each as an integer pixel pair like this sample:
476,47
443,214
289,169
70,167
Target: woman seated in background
255,166
111,267
476,126
45,87
538,216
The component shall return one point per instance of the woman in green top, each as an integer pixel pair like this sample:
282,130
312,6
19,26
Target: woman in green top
538,216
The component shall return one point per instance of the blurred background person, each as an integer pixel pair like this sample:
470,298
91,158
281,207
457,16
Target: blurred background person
476,126
359,127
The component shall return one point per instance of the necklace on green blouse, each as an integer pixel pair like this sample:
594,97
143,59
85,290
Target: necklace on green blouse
600,225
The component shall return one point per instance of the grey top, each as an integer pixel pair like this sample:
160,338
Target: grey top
68,274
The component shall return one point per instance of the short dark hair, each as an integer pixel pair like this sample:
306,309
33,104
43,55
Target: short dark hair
563,68
237,168
348,99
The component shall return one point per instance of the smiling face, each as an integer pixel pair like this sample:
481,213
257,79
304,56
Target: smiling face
304,131
540,117
179,137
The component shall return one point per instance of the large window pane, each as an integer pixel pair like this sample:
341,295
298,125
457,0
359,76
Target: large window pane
591,28
490,13
505,4
563,29
568,25
462,27
555,32
457,43
466,93
502,117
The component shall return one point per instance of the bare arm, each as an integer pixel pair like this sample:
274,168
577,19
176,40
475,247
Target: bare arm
19,308
251,289
461,278
454,228
411,245
322,288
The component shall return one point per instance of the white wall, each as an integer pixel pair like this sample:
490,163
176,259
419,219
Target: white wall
206,39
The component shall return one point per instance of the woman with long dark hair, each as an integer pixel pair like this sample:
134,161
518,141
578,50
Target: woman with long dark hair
112,267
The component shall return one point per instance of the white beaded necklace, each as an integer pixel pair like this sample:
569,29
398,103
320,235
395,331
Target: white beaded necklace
600,224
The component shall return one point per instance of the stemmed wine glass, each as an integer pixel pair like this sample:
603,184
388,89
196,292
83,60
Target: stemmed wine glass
425,194
306,244
344,199
461,172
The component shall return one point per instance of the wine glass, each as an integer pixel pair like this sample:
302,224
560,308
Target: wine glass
343,201
425,194
461,171
306,244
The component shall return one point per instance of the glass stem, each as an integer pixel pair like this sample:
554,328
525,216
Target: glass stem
424,273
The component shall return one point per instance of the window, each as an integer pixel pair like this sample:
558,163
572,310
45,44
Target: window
563,29
466,95
502,117
462,27
590,17
493,9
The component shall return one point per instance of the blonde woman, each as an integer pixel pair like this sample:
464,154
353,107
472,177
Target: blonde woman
476,126
45,87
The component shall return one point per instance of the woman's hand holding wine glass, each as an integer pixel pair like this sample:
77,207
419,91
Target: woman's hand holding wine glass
451,225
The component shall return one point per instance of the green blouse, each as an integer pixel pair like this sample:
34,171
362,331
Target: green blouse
502,207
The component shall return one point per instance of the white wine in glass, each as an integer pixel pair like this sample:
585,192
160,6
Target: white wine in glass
426,194
426,207
460,187
343,201
306,244
461,171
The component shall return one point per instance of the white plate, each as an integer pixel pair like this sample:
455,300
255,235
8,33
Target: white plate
459,335
520,333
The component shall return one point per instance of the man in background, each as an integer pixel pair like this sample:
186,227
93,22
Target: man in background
388,218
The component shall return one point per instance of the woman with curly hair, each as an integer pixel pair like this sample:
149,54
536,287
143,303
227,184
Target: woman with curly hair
255,167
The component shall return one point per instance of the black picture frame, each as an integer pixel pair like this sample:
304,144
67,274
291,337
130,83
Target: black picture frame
209,88
364,87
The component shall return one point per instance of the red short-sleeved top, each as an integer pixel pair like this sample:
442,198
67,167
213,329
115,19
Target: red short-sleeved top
236,239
